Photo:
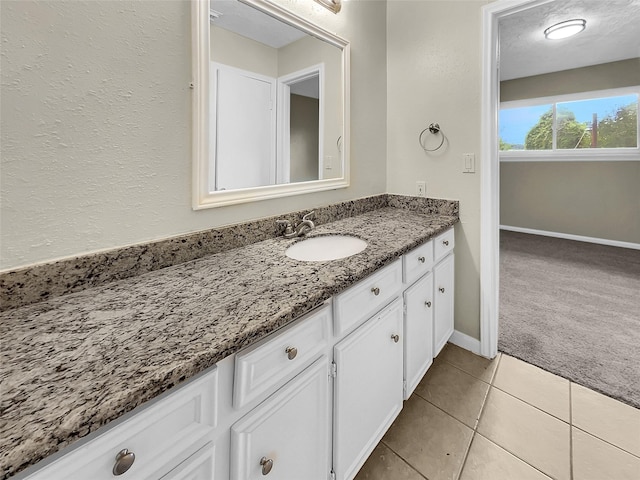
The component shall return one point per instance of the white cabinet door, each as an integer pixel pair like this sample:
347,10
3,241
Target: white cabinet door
418,332
199,466
368,388
287,436
443,301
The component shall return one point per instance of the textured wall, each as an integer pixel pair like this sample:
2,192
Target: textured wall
592,199
96,124
434,75
625,73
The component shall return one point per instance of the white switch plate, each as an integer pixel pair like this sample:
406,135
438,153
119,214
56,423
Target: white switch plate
421,188
469,163
328,162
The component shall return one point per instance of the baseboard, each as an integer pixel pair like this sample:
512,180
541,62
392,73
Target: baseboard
463,340
568,236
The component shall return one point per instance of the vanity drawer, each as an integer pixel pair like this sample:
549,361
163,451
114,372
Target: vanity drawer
359,302
443,245
160,436
417,262
270,363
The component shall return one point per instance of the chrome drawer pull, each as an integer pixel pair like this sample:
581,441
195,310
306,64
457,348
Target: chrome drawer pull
421,259
267,465
427,304
395,338
291,352
376,291
446,243
441,289
124,460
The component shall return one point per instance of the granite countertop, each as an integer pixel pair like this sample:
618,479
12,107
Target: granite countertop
74,363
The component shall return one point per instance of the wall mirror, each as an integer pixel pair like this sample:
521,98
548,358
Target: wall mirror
271,104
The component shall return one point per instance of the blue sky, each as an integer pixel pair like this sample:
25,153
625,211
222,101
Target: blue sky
515,123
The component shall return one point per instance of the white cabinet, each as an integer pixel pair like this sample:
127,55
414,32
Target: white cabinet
198,466
443,302
418,332
287,436
368,389
149,443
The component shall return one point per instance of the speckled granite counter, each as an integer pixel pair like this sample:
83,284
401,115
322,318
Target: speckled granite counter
74,363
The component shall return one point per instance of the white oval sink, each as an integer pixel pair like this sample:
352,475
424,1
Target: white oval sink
327,247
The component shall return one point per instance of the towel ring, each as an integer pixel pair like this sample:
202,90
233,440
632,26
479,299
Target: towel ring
435,129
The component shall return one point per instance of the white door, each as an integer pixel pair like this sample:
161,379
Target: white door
443,300
368,388
418,332
243,130
287,436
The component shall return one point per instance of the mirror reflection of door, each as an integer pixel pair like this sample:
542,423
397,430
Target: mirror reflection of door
244,128
300,125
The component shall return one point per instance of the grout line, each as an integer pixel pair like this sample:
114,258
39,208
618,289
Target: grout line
570,432
444,411
514,455
537,408
403,459
466,456
464,371
607,442
495,371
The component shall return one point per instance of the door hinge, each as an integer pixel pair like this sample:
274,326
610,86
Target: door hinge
333,370
404,388
404,308
332,475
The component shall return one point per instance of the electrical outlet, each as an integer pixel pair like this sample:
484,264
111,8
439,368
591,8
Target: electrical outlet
421,188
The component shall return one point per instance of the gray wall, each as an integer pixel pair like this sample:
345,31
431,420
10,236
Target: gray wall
96,124
592,199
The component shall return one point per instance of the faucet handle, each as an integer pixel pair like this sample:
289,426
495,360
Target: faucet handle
285,225
309,216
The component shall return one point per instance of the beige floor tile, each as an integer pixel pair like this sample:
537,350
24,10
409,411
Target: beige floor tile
475,365
383,464
541,389
536,437
606,418
487,461
454,391
594,459
431,441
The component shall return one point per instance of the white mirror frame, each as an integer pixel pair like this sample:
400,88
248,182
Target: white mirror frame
202,198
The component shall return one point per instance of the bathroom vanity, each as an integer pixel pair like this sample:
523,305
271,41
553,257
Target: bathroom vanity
310,399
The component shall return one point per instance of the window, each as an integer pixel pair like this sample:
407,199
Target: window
594,124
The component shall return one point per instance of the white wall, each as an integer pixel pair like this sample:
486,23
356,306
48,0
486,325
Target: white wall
96,124
237,51
434,75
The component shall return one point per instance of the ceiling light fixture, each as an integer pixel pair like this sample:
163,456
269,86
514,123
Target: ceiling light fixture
565,29
333,5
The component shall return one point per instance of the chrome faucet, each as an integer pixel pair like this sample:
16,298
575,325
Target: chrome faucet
301,229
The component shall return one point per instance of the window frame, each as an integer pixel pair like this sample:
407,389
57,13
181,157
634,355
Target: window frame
579,155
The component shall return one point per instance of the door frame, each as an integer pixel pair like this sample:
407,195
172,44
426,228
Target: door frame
490,169
283,155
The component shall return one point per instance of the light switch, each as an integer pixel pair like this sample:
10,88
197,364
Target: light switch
469,165
328,162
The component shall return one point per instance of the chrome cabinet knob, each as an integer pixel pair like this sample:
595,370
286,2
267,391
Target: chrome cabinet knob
395,338
291,352
267,465
427,304
124,460
421,259
441,289
445,243
376,291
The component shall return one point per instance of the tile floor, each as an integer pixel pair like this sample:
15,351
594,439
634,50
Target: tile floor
475,419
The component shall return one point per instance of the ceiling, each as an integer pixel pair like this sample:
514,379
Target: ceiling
254,24
612,33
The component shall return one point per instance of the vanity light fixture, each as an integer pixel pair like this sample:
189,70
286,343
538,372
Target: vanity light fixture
333,5
565,29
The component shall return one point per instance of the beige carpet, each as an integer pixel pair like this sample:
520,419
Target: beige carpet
573,308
